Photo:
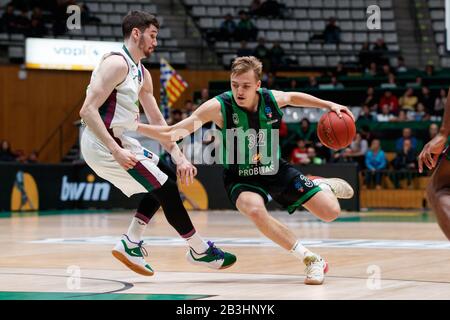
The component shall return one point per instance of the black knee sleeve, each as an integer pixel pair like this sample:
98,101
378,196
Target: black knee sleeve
169,198
147,207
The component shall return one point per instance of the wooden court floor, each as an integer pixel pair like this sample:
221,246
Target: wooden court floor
67,255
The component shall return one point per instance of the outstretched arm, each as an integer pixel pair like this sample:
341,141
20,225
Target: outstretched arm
208,111
434,148
185,170
299,99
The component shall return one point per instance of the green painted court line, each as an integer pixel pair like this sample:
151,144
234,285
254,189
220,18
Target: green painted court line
5,295
419,217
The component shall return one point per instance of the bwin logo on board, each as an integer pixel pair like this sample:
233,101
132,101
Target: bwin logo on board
86,191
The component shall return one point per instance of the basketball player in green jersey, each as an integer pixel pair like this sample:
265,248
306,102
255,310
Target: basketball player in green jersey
438,190
249,184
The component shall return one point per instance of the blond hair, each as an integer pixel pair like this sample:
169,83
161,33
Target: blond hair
244,64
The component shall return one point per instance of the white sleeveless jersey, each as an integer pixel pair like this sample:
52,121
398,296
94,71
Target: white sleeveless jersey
120,111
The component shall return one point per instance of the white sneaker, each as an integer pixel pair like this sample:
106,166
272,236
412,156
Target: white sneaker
341,188
316,267
132,255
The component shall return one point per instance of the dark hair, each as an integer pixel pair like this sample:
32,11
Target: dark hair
138,19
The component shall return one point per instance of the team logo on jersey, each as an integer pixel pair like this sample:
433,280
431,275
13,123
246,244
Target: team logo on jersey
298,184
148,154
256,158
235,119
268,112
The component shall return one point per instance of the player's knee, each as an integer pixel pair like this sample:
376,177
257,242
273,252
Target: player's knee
256,213
252,210
331,212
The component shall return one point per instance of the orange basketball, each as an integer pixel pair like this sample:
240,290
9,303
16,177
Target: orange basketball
334,132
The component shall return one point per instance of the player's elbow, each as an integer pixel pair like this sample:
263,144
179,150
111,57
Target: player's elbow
83,112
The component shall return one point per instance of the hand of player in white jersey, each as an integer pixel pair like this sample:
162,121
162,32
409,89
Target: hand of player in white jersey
431,151
125,158
340,108
186,171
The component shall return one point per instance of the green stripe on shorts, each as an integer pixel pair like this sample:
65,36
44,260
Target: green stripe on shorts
303,199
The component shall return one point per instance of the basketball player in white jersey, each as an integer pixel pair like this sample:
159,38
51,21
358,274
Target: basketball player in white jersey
119,84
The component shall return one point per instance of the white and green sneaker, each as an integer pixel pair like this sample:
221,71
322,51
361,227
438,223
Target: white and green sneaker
132,255
213,257
341,188
316,267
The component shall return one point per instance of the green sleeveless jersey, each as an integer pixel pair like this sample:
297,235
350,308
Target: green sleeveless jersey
250,140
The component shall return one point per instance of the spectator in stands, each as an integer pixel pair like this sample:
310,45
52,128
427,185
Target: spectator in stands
8,20
293,84
391,101
313,158
402,116
262,53
312,82
427,100
386,70
204,96
375,161
189,107
176,115
379,51
270,81
332,33
365,114
244,51
227,29
370,100
306,132
385,115
391,81
372,70
87,17
365,56
439,103
406,135
33,157
355,152
37,29
271,8
433,130
255,8
20,156
401,67
23,23
419,81
408,101
340,70
300,154
404,164
429,70
5,152
277,56
245,29
420,114
334,82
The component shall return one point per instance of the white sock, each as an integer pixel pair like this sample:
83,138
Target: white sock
136,229
197,243
300,251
